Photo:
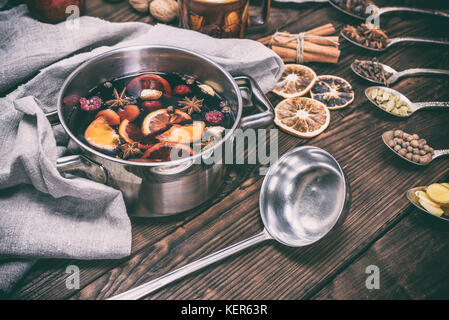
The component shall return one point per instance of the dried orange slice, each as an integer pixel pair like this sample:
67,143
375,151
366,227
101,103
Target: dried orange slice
295,81
302,117
160,119
166,151
101,135
183,134
334,92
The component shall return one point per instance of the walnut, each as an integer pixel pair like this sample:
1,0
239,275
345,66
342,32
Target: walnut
140,5
164,10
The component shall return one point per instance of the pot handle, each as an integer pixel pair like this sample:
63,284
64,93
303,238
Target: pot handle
78,163
81,164
260,101
53,118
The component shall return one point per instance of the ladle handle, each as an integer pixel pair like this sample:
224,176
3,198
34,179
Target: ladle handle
437,13
431,104
162,281
421,71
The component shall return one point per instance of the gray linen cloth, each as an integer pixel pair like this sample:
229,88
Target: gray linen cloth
43,215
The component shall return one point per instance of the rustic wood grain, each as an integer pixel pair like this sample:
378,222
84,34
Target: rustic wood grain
377,177
412,259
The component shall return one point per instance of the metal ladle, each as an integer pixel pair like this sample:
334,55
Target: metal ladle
411,196
387,136
396,75
393,41
383,10
302,198
414,106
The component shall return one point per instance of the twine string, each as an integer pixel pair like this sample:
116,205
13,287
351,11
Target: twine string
299,38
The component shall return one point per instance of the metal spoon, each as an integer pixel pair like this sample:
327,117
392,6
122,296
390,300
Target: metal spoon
387,136
394,41
383,10
414,106
411,196
302,198
396,75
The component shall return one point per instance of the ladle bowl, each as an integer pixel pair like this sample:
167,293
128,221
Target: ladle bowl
303,196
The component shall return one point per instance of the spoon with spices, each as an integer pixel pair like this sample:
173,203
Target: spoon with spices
358,9
395,103
411,147
374,39
421,197
380,73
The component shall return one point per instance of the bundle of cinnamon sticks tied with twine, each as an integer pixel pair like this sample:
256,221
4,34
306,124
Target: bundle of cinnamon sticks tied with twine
315,45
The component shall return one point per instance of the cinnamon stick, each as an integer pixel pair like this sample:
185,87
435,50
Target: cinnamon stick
310,47
324,30
289,55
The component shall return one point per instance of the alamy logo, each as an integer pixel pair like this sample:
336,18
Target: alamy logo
73,280
72,22
373,17
373,280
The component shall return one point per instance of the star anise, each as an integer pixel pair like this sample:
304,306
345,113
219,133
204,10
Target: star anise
119,100
191,106
129,150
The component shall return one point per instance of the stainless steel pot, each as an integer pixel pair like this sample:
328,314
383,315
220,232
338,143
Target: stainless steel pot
166,188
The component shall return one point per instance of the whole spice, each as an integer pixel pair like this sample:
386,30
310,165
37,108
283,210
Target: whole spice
372,69
130,150
315,45
164,10
119,99
191,105
411,146
357,7
390,102
367,35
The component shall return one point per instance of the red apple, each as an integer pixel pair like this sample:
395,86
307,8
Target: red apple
53,10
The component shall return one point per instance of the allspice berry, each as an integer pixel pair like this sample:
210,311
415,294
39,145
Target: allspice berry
398,133
164,10
411,147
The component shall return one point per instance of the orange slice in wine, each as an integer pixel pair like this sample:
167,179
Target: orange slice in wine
101,135
161,119
183,134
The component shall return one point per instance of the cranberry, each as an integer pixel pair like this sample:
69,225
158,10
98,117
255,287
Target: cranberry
182,90
91,104
214,117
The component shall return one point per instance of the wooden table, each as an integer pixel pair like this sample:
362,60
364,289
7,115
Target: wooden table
382,229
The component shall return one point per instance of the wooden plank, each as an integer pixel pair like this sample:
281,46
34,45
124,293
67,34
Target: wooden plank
272,271
412,259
